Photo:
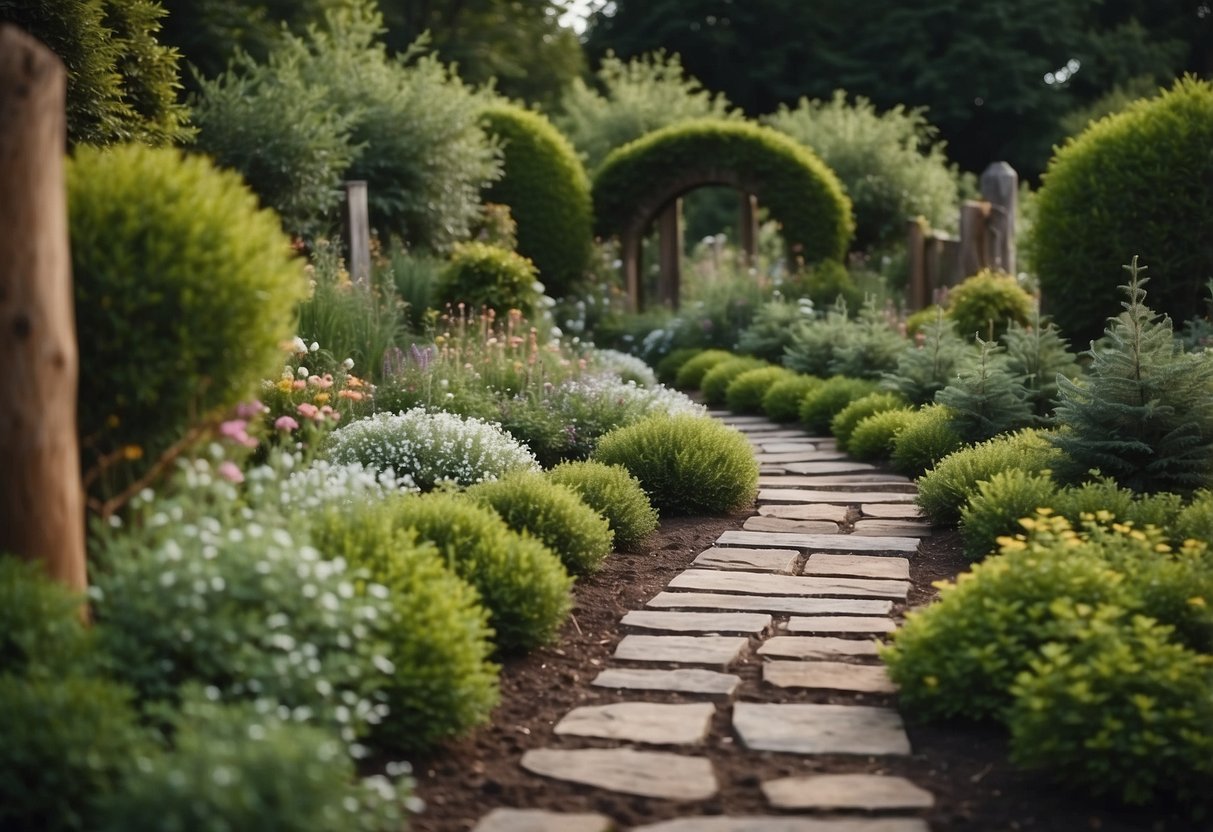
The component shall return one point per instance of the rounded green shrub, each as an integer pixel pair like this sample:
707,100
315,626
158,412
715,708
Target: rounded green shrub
692,371
668,367
826,282
716,381
844,422
986,304
184,291
686,464
745,392
483,276
875,436
547,191
781,402
999,504
819,407
437,634
1133,183
1100,495
551,513
1195,522
924,441
615,494
41,628
521,582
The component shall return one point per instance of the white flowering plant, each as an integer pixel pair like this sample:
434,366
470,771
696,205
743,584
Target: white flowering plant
627,367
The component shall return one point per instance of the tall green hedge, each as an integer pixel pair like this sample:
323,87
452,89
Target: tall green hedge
800,191
547,191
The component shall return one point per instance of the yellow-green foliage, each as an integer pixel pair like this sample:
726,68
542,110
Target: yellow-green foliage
548,193
746,392
692,371
986,304
1134,183
184,291
716,381
799,190
819,406
845,421
615,494
927,438
486,276
918,321
875,436
667,368
781,403
999,504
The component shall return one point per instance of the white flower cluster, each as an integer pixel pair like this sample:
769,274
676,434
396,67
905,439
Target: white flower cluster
612,392
296,488
627,367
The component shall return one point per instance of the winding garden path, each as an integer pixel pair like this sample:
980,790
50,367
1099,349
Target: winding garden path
809,583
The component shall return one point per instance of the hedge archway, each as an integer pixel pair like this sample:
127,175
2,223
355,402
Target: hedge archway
640,180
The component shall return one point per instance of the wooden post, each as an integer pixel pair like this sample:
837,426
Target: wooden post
629,253
973,250
41,499
749,228
356,231
916,235
669,230
1000,187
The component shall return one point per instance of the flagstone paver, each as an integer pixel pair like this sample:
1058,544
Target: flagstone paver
814,457
859,566
828,542
820,729
809,495
819,675
698,622
806,511
768,603
816,647
679,680
762,523
537,820
646,773
652,722
869,792
893,528
786,446
839,624
891,512
758,560
842,465
759,823
761,583
717,651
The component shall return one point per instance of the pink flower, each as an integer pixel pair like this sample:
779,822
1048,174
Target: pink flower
298,384
249,410
307,410
230,472
285,423
235,429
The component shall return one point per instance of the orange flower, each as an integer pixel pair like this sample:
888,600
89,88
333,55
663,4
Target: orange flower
352,395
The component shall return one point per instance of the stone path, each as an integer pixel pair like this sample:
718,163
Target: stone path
806,588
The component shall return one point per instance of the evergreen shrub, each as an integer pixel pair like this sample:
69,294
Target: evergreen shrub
41,628
483,276
844,422
926,439
813,342
746,391
770,332
1037,354
1195,521
875,437
615,494
831,397
871,346
985,399
998,506
715,382
986,303
926,368
692,371
781,402
828,283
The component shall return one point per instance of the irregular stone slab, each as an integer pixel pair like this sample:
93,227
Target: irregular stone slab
717,651
680,680
809,511
646,773
537,820
786,446
891,512
809,495
841,482
767,603
816,647
762,523
762,823
859,566
734,419
858,678
760,583
653,722
817,466
840,624
870,792
893,528
803,457
820,729
698,622
829,542
758,560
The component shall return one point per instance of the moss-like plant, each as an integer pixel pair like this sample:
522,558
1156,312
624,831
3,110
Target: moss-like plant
926,439
746,392
875,437
844,422
987,303
781,402
716,381
615,494
690,374
484,276
820,406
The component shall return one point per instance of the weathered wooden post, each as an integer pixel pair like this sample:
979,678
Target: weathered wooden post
916,235
669,230
749,228
973,254
1000,187
630,244
356,231
41,500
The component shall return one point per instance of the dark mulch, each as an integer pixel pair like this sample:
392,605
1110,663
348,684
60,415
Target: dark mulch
964,765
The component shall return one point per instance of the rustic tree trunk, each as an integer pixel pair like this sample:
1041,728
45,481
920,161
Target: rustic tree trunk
41,502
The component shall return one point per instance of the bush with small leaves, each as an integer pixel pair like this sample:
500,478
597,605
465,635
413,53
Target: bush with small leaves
875,436
1196,520
844,422
715,382
615,494
814,342
1098,495
551,513
692,371
986,303
828,282
521,582
998,506
781,402
484,276
770,333
745,392
819,407
668,367
41,627
686,464
924,441
432,448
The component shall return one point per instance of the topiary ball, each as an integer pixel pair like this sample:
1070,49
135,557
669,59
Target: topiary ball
986,304
781,402
686,464
819,407
844,422
615,494
692,371
483,276
184,291
716,381
875,437
746,391
668,367
1134,183
927,438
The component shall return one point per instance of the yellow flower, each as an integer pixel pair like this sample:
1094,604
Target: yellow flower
285,385
321,398
132,452
1197,601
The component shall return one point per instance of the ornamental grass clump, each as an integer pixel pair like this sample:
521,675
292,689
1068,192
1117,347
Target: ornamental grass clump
692,371
875,437
715,382
431,448
845,421
828,399
927,438
781,402
746,391
613,493
686,464
551,513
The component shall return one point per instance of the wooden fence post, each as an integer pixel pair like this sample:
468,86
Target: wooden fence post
669,230
749,228
974,255
41,500
356,231
1000,187
916,236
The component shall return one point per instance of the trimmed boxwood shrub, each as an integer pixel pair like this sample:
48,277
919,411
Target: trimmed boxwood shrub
615,494
927,438
184,291
553,514
819,407
692,371
668,367
844,422
781,403
686,464
875,436
799,190
745,392
987,303
481,275
1135,183
716,381
547,191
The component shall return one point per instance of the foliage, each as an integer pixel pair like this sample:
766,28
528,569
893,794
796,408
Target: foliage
891,163
548,194
820,405
551,513
613,493
870,347
483,276
746,392
844,422
986,303
875,437
813,343
826,282
926,368
985,399
41,628
432,448
520,581
716,381
1196,520
927,438
669,453
781,403
627,367
1133,182
668,367
690,374
1143,414
995,510
769,333
1038,354
415,276
166,253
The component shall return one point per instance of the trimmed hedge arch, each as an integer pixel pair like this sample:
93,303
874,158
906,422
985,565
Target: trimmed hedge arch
639,180
547,191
